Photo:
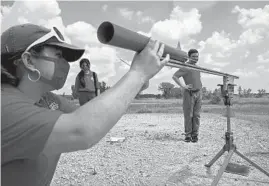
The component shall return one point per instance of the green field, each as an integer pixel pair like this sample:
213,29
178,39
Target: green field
249,109
257,106
250,106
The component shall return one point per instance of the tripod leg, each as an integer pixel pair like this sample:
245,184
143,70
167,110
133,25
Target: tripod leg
223,167
251,162
215,158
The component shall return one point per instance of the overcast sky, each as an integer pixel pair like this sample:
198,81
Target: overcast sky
232,37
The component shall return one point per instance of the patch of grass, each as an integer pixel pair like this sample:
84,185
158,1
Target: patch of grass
251,101
144,110
250,106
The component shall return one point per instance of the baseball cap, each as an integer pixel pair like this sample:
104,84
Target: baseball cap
20,38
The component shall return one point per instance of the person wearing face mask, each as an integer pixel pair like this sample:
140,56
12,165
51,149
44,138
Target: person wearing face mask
86,86
192,96
37,126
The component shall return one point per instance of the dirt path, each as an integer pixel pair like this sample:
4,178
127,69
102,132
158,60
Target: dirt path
154,154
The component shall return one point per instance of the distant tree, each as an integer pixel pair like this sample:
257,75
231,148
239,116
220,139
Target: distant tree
244,92
148,96
73,92
217,91
249,92
216,96
103,86
204,90
166,88
176,92
261,93
240,91
207,94
159,96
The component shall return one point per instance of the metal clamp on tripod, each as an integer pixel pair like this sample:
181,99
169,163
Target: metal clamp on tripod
227,91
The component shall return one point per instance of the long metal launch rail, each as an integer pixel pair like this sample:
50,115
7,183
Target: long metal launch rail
177,64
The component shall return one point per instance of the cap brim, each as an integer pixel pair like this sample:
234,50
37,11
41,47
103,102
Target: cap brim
70,52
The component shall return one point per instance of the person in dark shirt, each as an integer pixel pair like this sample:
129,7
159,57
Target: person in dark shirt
86,85
37,126
192,96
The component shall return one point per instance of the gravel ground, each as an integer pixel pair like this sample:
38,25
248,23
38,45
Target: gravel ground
155,154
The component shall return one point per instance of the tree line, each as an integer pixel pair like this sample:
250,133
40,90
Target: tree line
170,91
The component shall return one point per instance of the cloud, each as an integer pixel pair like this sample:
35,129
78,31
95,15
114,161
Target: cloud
144,33
104,7
30,11
180,25
245,73
263,58
147,19
251,36
84,35
4,11
143,18
214,59
261,67
104,58
200,5
254,22
251,18
221,64
126,13
220,55
138,16
165,74
207,76
45,13
247,54
220,46
207,58
219,42
216,69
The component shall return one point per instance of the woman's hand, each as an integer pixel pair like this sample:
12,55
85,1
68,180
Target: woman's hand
147,63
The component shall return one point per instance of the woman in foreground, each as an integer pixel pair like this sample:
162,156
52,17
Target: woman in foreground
35,131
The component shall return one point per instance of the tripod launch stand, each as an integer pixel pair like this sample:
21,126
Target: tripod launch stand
227,90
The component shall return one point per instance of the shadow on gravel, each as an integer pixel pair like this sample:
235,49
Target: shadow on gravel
183,176
180,176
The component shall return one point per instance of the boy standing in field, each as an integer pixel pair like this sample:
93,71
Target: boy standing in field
192,96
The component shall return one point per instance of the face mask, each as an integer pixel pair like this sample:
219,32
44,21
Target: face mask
61,69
